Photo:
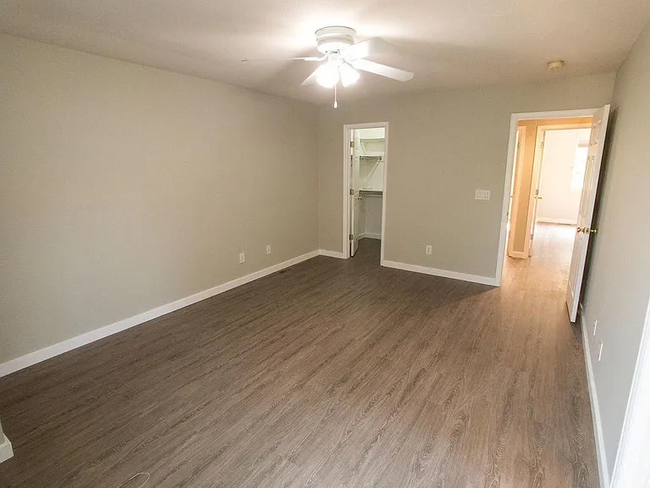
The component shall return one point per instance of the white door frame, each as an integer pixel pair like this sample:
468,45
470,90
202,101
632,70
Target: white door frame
512,147
346,183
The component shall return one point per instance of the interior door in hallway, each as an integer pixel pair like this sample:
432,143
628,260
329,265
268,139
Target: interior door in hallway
535,195
586,212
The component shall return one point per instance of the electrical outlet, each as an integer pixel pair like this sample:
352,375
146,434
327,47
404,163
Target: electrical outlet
428,249
600,350
482,194
242,257
268,249
595,326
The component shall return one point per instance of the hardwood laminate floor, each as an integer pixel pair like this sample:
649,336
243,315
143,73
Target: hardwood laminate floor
329,374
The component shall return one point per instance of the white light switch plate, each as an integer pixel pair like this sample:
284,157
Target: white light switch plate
482,195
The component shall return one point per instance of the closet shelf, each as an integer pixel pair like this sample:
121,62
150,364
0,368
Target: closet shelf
369,192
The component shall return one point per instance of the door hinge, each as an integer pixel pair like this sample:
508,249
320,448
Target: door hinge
541,145
351,143
351,191
351,237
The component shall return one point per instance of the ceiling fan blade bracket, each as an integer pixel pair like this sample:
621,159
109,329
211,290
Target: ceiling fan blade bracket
272,60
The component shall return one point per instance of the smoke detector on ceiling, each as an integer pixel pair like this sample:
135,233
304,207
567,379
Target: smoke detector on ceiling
556,65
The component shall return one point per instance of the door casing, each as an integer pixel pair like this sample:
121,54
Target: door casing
512,148
347,128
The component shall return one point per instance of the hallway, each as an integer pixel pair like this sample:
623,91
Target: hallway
551,252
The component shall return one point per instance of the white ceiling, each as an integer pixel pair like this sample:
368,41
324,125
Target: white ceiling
446,43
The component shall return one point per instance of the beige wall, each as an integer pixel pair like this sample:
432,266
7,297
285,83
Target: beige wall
123,188
371,209
560,202
442,146
618,287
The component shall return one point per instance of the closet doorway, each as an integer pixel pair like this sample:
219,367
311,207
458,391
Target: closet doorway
364,183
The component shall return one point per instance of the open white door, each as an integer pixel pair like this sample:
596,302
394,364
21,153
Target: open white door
516,169
355,196
535,196
586,212
356,222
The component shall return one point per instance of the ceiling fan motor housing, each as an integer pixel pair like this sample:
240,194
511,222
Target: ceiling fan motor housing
334,38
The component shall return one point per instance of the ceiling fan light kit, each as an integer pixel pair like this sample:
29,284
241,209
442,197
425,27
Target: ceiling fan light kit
330,73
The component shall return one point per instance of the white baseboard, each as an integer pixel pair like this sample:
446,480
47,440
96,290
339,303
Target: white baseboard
6,450
557,221
94,335
603,471
331,254
484,280
370,235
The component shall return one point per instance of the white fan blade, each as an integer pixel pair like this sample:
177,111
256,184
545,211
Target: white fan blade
382,70
270,60
363,49
311,79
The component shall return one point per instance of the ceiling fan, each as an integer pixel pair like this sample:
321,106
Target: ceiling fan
343,59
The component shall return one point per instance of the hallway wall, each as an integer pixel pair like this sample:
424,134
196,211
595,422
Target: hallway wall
618,288
560,199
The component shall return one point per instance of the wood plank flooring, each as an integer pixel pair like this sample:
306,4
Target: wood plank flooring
329,374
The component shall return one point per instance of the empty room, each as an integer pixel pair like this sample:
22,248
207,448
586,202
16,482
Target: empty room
289,244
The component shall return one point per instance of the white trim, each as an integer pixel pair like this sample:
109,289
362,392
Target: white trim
632,466
331,254
514,120
369,235
383,195
346,183
603,471
6,451
557,221
484,280
96,334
